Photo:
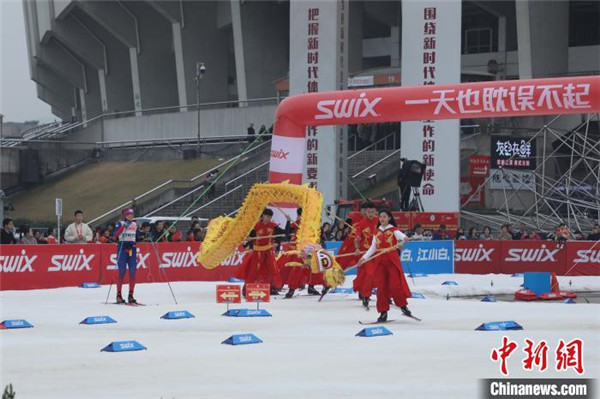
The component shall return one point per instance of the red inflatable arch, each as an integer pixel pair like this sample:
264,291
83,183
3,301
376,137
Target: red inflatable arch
574,95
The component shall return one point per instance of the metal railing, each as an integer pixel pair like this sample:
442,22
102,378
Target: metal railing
376,163
214,140
171,184
262,165
175,200
373,146
219,198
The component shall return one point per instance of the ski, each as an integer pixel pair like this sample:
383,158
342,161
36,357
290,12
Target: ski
412,317
125,304
370,323
323,293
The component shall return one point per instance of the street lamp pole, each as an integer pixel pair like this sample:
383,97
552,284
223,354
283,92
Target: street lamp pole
200,69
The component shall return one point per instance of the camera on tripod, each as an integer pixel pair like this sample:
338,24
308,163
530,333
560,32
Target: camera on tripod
410,177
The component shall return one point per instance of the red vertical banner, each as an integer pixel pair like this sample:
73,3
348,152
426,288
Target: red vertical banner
479,165
472,190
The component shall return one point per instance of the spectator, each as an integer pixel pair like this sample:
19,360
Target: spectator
339,235
564,233
595,234
579,235
198,235
50,238
97,233
111,228
325,232
192,231
7,235
442,233
427,235
473,234
460,234
487,233
105,237
27,237
521,233
158,233
505,232
145,234
134,206
174,235
262,130
194,217
417,233
251,133
38,237
78,232
340,226
531,235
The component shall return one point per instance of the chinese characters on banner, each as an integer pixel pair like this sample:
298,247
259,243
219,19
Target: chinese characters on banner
431,56
568,355
513,152
479,165
318,62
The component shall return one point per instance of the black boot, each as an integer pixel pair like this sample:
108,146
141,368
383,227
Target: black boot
289,294
131,299
120,298
312,290
405,310
365,303
274,291
382,317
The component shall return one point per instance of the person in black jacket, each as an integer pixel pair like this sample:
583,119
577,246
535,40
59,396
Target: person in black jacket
7,235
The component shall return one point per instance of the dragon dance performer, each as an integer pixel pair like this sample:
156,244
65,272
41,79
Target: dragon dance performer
126,232
389,276
363,233
349,246
299,275
261,267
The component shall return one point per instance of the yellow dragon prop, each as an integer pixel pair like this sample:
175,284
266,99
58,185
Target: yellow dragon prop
225,234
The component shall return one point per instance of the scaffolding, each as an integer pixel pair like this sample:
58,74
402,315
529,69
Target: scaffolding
566,178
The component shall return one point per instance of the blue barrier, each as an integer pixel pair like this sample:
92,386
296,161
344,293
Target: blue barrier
417,295
235,280
499,326
341,290
488,298
98,320
123,346
17,323
449,283
177,314
374,332
242,339
247,313
569,301
89,285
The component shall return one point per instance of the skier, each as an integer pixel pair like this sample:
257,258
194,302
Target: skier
389,277
363,236
126,232
261,267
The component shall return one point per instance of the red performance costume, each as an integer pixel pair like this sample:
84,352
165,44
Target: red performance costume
348,245
365,277
297,275
261,267
389,276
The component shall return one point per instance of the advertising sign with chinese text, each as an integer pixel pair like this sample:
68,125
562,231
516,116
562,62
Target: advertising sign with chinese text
513,152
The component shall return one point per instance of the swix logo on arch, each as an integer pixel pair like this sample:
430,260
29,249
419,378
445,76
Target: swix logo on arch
542,254
479,254
179,259
588,255
17,263
141,258
280,154
73,262
355,108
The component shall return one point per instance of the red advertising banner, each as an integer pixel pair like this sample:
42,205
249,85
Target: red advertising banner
479,165
229,293
432,220
583,258
258,292
48,266
477,257
52,266
470,191
520,256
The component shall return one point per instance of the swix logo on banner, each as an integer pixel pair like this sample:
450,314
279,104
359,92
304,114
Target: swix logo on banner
542,254
17,263
347,108
179,259
479,254
236,259
71,262
279,154
588,255
142,260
